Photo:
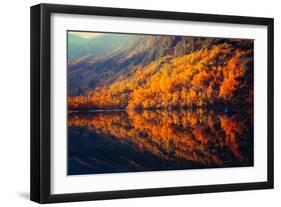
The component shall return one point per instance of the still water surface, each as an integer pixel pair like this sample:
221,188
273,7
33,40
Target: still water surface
129,141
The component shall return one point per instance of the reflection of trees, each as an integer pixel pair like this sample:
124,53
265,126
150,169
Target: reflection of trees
205,137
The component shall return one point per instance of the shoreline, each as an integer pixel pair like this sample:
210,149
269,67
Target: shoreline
226,108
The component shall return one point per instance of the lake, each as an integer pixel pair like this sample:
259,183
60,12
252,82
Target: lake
154,140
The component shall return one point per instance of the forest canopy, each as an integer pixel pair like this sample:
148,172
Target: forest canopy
220,73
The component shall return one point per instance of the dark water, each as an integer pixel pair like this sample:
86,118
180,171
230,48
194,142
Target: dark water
127,141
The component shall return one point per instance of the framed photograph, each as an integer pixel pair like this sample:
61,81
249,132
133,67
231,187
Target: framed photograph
133,103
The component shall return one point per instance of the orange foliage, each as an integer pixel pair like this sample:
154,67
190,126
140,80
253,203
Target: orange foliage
198,79
231,72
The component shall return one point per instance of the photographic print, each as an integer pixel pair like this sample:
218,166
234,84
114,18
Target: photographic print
129,103
141,102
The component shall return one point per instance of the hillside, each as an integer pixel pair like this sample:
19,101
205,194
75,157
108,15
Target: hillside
79,47
166,72
100,63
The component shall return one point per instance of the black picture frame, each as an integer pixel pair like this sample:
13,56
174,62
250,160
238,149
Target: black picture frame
41,95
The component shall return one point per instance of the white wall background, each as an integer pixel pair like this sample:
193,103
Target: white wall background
14,101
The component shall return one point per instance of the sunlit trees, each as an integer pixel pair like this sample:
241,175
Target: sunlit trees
232,71
220,74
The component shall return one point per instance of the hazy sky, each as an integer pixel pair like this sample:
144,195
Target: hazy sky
86,34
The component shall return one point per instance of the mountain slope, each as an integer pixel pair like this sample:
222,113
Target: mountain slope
90,71
215,72
95,46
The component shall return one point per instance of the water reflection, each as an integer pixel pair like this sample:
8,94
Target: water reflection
129,141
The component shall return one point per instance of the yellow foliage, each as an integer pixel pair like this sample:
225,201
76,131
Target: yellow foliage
198,79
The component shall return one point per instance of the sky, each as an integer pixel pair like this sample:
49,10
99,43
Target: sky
86,34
